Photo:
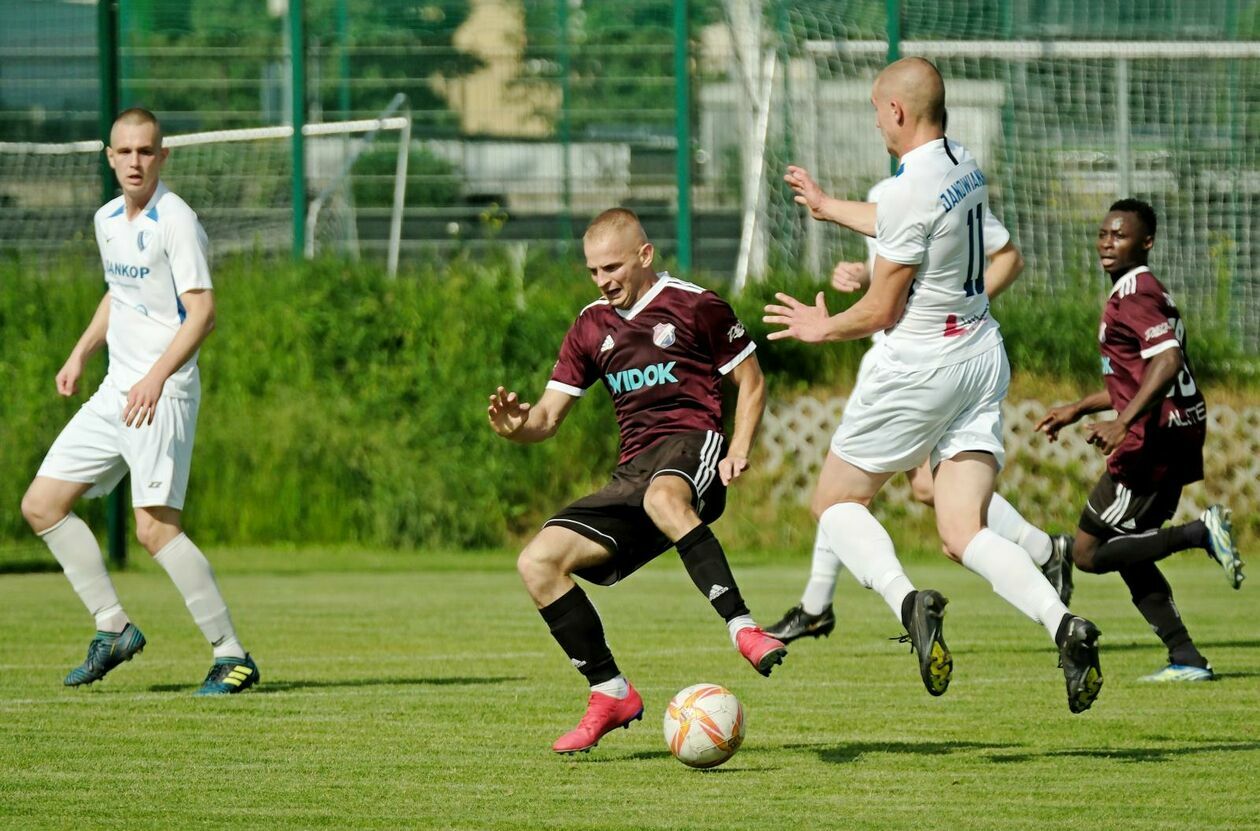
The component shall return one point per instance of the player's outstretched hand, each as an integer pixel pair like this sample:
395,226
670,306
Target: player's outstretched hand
849,277
68,377
506,412
1055,420
142,401
1106,435
808,324
806,190
731,467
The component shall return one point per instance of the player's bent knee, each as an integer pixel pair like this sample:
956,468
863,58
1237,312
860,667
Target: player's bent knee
39,512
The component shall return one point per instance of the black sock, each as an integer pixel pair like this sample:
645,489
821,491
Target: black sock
907,609
575,625
705,561
1132,549
1153,598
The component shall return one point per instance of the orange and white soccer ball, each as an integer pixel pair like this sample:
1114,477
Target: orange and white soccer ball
704,725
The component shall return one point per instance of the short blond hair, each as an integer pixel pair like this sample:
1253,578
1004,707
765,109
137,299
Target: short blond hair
621,222
139,115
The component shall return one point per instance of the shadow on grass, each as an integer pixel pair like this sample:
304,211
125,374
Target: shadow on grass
843,754
40,566
287,686
1105,646
1132,754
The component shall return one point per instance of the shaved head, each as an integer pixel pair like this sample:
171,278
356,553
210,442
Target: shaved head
620,223
917,85
135,117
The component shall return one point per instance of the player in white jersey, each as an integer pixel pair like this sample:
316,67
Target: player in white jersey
936,388
813,616
157,310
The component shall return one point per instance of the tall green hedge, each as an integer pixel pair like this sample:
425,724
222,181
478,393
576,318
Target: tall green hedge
341,406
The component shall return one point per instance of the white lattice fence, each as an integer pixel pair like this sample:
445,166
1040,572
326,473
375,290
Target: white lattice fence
1046,481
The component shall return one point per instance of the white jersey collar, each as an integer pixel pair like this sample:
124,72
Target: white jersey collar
150,207
1129,276
662,278
923,150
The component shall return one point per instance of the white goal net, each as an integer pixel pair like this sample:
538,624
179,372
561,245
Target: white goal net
1062,128
238,181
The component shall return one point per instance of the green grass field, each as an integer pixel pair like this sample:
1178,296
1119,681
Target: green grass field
401,698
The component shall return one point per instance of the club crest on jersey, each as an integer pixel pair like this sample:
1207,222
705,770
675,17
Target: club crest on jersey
664,335
607,344
143,238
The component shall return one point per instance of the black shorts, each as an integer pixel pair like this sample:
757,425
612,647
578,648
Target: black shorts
1113,510
614,516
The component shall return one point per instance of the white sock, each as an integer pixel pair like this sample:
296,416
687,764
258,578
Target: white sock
76,549
617,687
823,572
191,573
1009,523
1014,578
867,551
735,624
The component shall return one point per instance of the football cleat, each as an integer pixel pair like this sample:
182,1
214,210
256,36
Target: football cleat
603,714
1079,658
1221,543
936,665
1180,672
106,651
1058,569
228,676
761,650
798,623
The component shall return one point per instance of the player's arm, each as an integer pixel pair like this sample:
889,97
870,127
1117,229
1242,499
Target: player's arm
89,343
858,216
1064,414
526,423
1004,267
198,323
1160,371
878,309
750,404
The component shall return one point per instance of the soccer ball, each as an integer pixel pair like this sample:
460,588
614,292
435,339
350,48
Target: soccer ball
704,725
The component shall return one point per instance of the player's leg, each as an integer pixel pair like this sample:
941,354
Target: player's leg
84,461
1114,509
813,616
1153,597
160,458
668,502
546,566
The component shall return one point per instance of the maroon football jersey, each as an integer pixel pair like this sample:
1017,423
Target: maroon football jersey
1165,444
662,361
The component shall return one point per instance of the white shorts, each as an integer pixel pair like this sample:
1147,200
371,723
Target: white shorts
895,419
96,447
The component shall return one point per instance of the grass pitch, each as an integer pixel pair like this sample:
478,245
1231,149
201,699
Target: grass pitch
395,697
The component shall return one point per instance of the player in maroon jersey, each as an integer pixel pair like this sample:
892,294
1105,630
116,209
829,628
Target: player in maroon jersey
1154,446
661,347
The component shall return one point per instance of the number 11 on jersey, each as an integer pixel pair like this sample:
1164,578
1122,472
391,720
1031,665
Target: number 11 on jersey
974,282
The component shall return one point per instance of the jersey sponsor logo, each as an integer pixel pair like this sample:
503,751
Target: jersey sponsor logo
664,335
629,380
955,326
958,191
136,272
736,331
1189,417
143,238
607,344
1160,329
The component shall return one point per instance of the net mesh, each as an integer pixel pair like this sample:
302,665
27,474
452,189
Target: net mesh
1062,127
238,182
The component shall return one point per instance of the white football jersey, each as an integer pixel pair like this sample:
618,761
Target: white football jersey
149,262
935,214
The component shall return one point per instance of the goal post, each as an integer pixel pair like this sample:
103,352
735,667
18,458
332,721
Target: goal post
236,180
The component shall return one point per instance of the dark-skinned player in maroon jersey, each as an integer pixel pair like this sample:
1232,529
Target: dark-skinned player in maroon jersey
1154,445
661,347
